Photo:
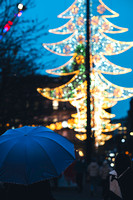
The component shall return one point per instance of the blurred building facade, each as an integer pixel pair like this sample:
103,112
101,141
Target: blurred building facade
21,105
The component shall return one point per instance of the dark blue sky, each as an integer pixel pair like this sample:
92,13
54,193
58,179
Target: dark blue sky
50,9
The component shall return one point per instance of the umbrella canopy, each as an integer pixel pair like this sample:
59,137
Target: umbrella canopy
31,154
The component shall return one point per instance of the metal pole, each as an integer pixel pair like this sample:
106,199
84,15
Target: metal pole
88,128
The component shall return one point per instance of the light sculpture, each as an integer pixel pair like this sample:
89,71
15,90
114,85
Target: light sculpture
104,94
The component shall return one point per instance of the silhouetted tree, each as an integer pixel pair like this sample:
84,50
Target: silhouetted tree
19,51
20,56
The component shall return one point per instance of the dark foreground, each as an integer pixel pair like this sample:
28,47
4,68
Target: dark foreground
71,193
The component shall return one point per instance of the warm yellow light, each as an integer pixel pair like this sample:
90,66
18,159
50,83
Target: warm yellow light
81,137
20,125
113,159
58,125
81,154
33,125
131,133
52,126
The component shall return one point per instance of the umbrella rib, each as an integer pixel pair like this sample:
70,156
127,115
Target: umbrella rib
8,153
26,178
47,154
59,145
51,132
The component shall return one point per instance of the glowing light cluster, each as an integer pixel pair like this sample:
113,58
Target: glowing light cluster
104,94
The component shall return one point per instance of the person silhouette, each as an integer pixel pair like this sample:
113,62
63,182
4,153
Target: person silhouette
80,167
119,184
104,172
93,172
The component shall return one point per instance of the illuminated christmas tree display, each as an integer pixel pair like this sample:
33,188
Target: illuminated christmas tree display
104,94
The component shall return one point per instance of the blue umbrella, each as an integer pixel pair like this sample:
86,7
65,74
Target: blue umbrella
31,154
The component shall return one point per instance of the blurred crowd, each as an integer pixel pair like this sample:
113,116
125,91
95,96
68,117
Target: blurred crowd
80,174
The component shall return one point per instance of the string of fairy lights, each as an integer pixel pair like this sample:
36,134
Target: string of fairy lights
104,94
